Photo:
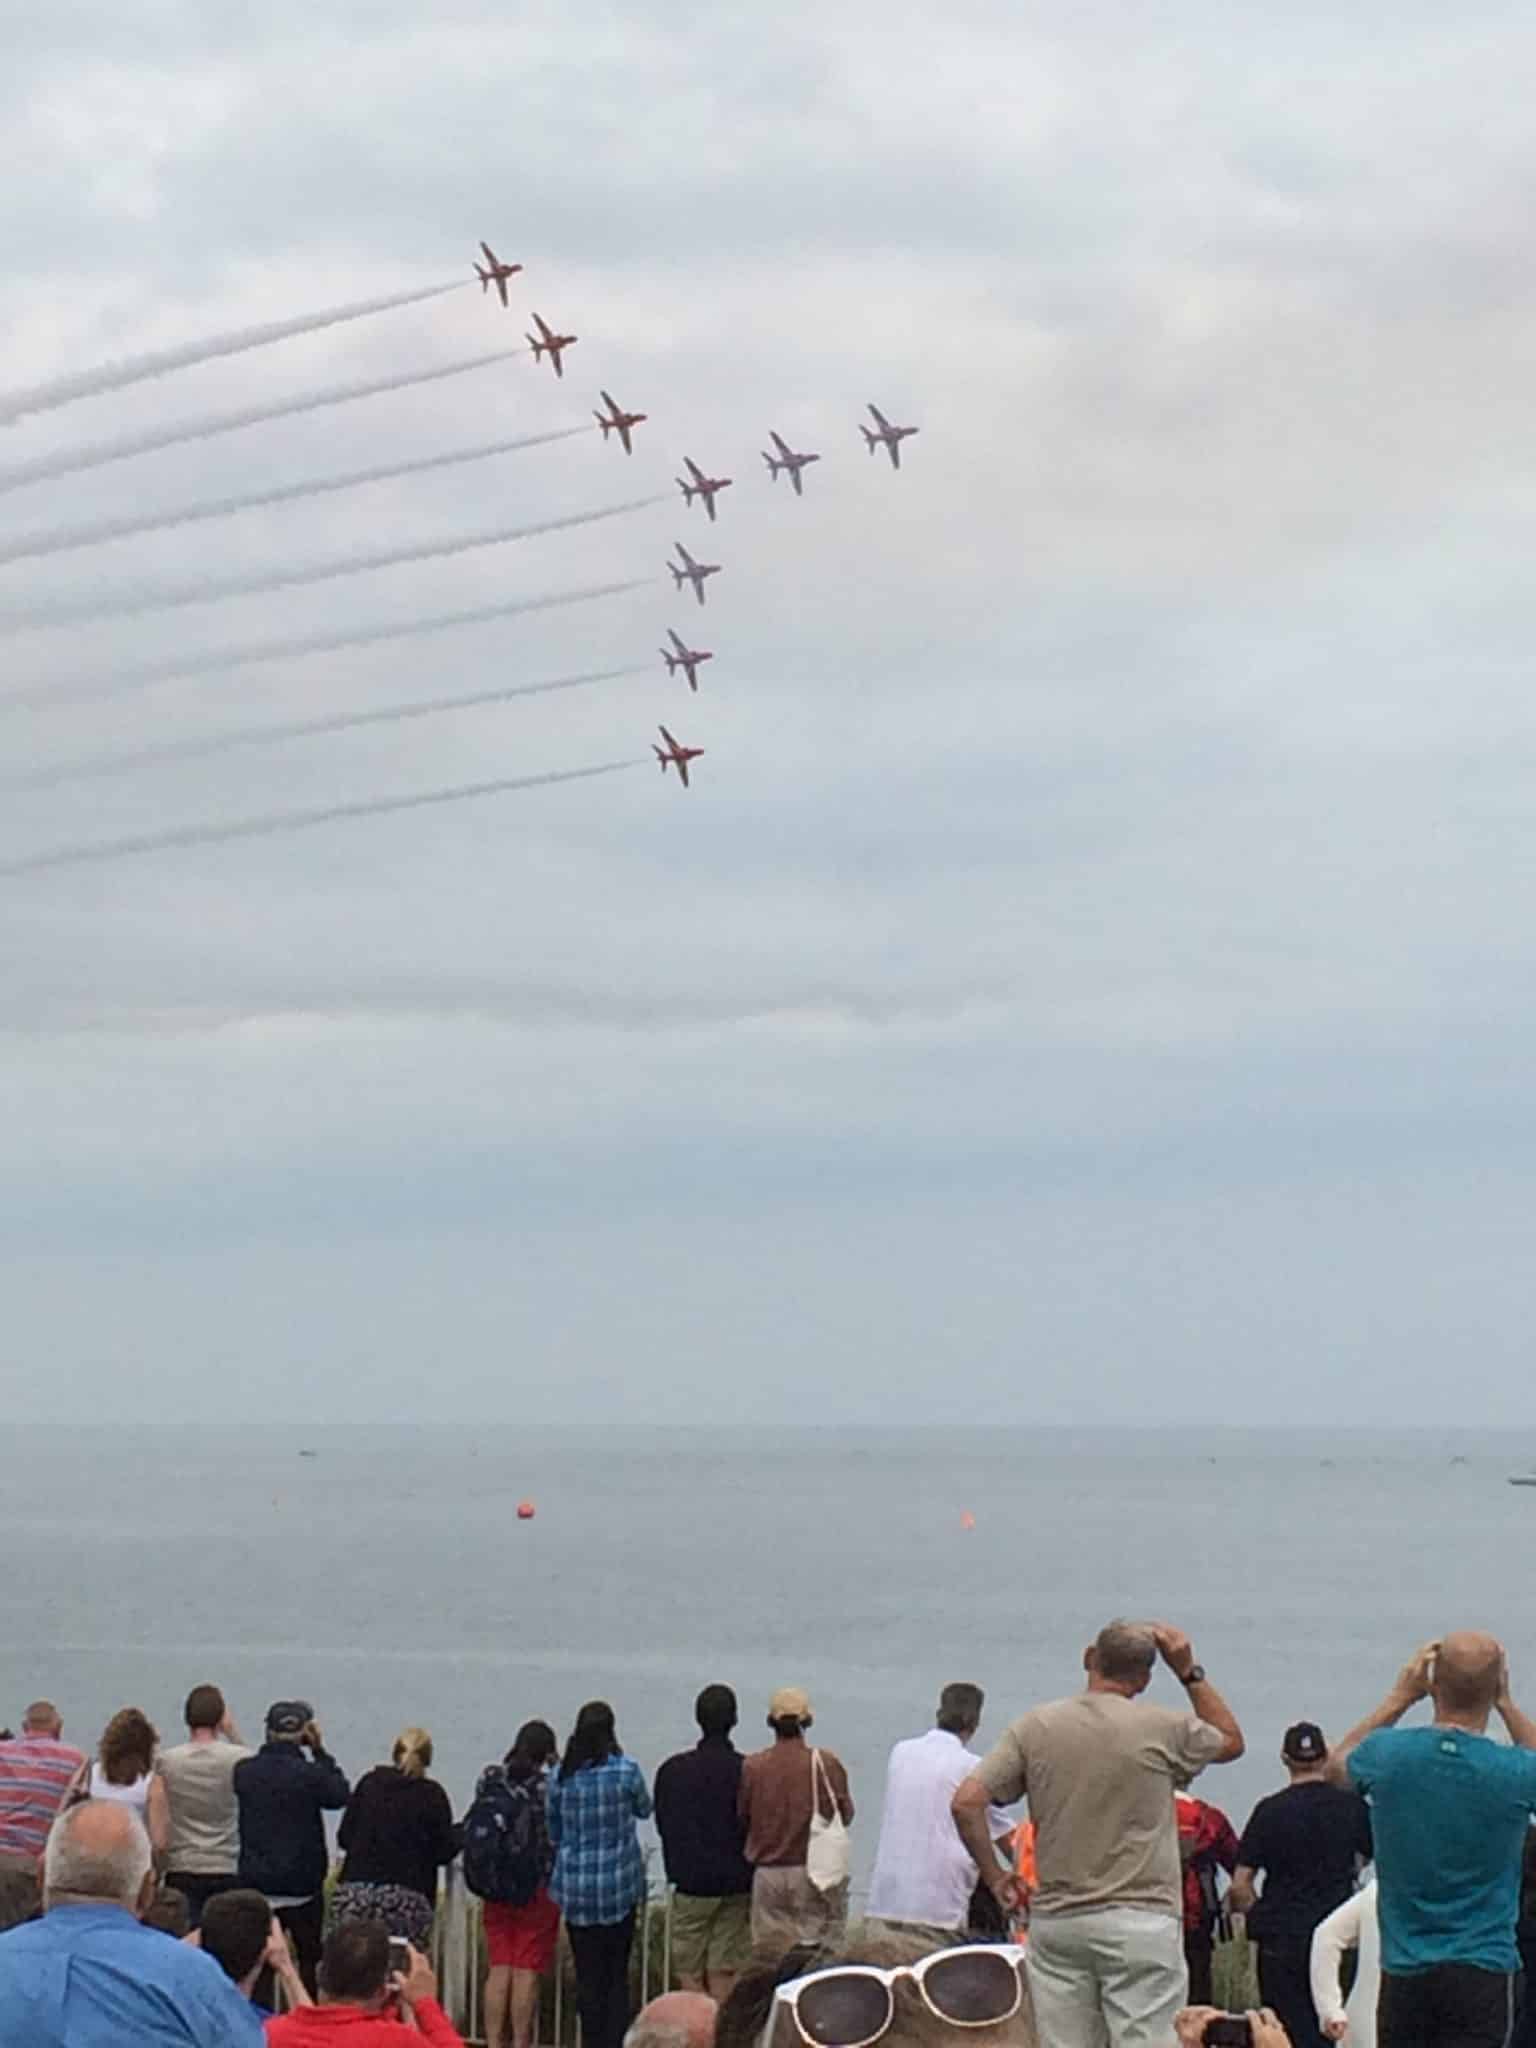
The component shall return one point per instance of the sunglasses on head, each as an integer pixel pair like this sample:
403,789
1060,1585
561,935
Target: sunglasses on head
853,2004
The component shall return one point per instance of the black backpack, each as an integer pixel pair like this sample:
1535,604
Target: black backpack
502,1850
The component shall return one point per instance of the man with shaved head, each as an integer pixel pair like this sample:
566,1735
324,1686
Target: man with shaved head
1106,1933
1451,1813
89,1974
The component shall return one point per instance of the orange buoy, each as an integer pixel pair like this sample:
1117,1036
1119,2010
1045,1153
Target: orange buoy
967,1520
525,1511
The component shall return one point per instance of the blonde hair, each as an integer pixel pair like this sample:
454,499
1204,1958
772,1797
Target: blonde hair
412,1751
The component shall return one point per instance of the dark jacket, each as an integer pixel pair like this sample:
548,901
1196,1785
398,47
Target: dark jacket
282,1794
696,1816
397,1830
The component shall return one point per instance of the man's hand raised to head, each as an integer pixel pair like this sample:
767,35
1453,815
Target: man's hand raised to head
1413,1681
1522,1729
1174,1647
1409,1687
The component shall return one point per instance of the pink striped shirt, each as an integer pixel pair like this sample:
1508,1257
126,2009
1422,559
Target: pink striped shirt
35,1772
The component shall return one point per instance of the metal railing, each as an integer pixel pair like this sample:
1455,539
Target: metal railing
458,1956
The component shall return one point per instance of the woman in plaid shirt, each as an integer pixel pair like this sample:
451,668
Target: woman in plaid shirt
599,1877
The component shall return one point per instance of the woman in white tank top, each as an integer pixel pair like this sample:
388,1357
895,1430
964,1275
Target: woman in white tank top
124,1772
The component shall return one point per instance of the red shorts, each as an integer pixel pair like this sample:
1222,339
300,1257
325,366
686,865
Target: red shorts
522,1937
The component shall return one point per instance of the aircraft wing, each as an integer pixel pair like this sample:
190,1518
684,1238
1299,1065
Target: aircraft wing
544,331
666,736
797,480
885,425
682,769
895,448
693,469
780,443
485,250
501,288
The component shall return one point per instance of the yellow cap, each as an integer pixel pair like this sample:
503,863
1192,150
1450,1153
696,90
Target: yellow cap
789,1703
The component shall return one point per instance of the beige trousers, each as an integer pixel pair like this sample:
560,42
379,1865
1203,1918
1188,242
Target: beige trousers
788,1912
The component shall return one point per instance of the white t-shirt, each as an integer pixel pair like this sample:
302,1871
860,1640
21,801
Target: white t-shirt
923,1871
205,1816
135,1795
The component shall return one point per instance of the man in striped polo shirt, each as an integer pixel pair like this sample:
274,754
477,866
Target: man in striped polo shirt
35,1773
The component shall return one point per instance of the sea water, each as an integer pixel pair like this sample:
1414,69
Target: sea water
388,1580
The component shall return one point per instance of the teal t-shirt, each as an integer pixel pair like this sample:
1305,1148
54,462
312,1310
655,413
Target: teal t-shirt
1450,1812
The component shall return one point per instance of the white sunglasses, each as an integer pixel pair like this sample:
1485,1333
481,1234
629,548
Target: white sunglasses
852,2004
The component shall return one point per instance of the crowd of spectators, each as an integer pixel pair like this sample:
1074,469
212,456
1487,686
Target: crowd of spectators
1061,1887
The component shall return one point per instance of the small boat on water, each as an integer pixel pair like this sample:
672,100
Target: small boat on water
1522,1478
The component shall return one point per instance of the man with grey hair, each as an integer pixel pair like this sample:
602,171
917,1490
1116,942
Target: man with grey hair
89,1975
1106,1951
924,1875
37,1768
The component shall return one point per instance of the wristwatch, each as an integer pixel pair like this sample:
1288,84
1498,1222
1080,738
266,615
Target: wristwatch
1195,1675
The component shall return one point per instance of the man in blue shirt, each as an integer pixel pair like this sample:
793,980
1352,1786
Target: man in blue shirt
88,1975
1450,1811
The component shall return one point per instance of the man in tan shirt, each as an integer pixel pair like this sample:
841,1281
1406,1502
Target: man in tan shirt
1106,1956
775,1801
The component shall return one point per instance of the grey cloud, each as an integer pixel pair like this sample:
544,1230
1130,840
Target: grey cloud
1092,959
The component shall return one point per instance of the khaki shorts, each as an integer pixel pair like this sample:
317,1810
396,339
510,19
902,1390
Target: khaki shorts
710,1936
788,1912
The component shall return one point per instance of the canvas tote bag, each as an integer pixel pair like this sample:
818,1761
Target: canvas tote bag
826,1851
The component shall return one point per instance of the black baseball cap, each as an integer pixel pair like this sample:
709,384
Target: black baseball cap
289,1717
1304,1743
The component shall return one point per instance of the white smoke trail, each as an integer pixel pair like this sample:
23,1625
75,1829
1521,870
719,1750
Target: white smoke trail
152,600
60,540
293,821
216,662
94,454
51,776
56,391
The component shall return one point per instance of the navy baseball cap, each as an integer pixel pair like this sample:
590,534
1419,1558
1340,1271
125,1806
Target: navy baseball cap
289,1717
1304,1744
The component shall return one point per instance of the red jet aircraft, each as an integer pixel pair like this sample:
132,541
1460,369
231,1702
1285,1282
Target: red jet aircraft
494,272
674,755
701,486
685,658
690,571
616,422
547,343
883,434
787,459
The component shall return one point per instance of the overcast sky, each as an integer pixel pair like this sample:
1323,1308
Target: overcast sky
1090,978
